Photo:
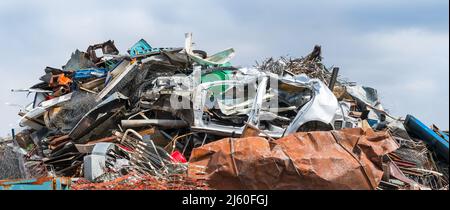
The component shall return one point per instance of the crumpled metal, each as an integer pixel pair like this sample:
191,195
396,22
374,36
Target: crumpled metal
345,159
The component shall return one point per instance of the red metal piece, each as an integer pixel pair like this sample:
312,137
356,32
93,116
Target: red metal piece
178,157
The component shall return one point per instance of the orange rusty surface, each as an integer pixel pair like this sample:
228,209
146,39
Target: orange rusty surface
346,159
59,140
130,182
106,139
61,79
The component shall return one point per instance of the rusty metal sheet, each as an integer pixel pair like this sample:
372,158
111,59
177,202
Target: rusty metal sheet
346,159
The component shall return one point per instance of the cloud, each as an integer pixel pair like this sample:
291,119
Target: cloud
413,76
398,47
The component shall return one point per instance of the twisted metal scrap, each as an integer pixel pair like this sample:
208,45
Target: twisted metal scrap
133,182
310,65
10,164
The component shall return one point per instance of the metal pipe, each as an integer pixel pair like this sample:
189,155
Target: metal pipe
334,76
154,122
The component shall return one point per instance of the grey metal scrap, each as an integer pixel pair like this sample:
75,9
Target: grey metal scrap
10,163
154,122
151,108
310,65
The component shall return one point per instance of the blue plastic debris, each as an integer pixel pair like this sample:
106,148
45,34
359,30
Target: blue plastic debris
372,122
90,73
46,183
420,130
141,48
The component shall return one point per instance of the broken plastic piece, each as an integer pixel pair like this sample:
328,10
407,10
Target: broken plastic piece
417,128
218,59
90,73
140,48
178,157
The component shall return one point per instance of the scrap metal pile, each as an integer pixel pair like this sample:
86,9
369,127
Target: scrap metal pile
179,118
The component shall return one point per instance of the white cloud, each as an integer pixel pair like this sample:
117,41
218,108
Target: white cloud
415,43
410,69
408,64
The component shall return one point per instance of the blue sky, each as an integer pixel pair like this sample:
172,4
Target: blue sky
399,47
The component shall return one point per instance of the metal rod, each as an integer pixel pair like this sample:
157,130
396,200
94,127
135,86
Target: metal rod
154,122
333,79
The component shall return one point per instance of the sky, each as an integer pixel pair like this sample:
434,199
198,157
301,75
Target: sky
400,48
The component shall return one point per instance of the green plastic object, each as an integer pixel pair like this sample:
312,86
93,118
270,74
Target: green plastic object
219,75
